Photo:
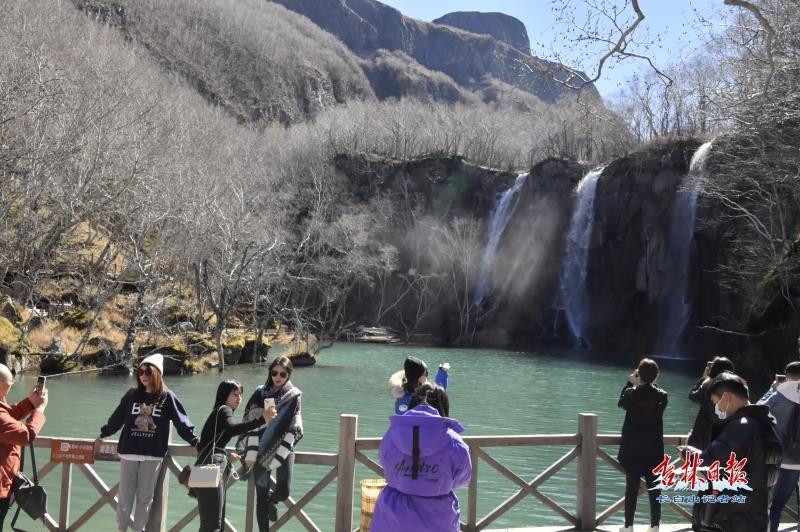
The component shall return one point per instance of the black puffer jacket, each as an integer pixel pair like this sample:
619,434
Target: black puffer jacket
751,434
642,445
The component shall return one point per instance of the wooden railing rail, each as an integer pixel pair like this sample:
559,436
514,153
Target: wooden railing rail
157,522
585,446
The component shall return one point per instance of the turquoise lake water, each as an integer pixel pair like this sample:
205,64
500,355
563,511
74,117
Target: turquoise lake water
491,392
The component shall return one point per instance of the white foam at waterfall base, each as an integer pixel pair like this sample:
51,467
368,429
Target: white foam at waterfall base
501,215
676,304
574,293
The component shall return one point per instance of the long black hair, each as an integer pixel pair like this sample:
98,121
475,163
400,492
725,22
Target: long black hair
224,391
432,395
285,363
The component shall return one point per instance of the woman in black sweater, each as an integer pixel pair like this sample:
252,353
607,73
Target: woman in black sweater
217,432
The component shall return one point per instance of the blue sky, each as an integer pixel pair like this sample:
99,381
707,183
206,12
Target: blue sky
671,19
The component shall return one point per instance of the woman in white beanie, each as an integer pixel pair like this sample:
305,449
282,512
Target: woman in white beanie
144,415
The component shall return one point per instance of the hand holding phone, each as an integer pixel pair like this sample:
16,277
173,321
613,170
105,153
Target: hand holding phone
270,411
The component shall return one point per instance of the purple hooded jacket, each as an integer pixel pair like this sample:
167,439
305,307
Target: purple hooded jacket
421,498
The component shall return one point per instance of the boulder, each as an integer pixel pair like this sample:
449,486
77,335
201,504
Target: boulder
303,359
250,347
233,346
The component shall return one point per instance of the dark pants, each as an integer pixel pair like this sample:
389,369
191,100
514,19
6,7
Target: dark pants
782,492
211,501
272,493
632,479
3,510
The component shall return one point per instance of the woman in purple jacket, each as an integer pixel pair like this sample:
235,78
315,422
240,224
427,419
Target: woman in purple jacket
424,460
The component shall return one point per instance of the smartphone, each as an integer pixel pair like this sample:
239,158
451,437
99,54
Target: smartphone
269,402
40,382
780,378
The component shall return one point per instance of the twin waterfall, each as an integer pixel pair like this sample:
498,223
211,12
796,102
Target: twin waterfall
669,291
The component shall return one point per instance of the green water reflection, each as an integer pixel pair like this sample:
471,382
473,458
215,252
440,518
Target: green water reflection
491,392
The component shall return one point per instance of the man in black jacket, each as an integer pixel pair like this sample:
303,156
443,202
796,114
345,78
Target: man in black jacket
748,431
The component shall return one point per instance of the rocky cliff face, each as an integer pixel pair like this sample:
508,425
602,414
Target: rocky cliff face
653,283
225,56
465,57
632,254
440,186
502,27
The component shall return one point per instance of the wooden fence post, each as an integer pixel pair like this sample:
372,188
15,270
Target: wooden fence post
472,493
66,492
346,472
251,502
587,471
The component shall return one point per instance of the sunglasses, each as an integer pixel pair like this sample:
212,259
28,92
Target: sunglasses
281,374
145,370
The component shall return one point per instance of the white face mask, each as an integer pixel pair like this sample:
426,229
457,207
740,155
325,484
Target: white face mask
722,414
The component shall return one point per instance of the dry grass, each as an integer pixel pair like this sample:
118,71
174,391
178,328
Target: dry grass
115,313
115,337
40,338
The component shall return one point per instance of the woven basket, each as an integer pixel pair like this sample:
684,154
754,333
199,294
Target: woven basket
370,489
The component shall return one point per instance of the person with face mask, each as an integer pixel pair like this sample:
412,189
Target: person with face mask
700,435
749,431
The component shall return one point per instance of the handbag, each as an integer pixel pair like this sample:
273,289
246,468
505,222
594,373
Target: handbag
206,475
29,496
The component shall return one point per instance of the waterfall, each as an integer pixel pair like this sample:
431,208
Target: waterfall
574,293
501,215
676,305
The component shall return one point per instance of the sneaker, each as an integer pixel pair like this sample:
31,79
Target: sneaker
652,529
273,513
626,528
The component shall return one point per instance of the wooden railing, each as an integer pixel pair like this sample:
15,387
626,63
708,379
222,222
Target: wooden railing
585,446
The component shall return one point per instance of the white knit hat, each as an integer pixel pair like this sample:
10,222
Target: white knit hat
156,360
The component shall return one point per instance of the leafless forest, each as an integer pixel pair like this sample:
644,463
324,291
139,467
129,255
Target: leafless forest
147,201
